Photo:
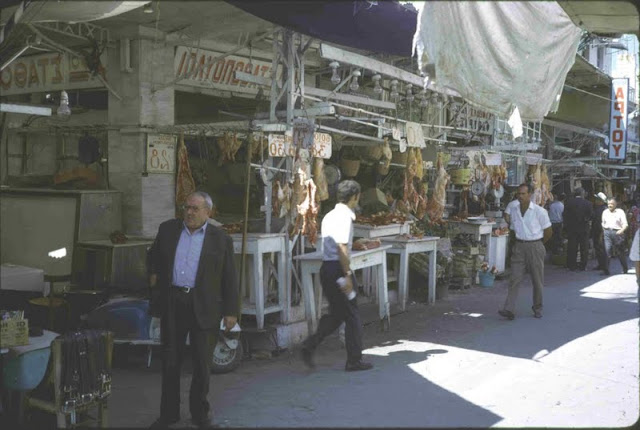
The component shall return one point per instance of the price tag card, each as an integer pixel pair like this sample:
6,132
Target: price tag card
282,145
161,153
415,136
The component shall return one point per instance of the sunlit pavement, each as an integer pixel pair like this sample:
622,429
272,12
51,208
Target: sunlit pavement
454,364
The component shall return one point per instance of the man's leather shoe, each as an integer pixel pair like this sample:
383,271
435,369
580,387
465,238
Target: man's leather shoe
358,365
537,313
605,273
163,423
307,357
507,314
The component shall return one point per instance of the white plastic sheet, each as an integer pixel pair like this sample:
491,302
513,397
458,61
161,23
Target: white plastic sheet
499,55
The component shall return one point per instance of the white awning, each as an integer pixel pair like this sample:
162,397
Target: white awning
499,55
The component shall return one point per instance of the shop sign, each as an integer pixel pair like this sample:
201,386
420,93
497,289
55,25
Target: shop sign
48,72
282,145
196,67
533,158
493,159
618,119
161,153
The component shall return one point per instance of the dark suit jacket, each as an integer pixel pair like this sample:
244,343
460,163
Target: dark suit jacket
216,289
577,215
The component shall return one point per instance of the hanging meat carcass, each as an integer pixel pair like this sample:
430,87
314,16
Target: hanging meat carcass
229,145
435,205
184,181
320,179
534,175
280,199
259,145
547,196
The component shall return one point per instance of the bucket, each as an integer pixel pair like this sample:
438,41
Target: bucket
486,279
349,167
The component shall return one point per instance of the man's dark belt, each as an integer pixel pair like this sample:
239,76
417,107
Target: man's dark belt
614,229
185,290
528,241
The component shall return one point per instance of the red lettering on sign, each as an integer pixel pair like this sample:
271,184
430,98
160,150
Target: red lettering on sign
58,77
239,66
201,67
264,69
209,66
618,119
617,136
184,55
6,82
43,62
616,149
619,106
217,72
228,71
619,94
20,73
33,74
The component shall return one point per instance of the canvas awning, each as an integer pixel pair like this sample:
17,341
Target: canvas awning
499,55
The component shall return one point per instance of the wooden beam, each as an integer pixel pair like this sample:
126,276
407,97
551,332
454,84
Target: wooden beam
26,109
317,92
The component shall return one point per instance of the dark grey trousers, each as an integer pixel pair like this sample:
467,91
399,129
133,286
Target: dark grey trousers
613,240
340,310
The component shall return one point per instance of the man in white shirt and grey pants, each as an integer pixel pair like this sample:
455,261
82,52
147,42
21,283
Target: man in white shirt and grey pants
614,224
532,227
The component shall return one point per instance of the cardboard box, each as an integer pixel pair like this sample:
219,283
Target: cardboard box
14,333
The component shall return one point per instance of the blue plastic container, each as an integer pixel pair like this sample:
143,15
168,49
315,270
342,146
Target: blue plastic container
486,279
127,318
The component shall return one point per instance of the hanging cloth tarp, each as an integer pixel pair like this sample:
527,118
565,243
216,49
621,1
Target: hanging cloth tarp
499,55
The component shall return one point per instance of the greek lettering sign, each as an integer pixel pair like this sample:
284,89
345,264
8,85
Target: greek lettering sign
48,72
199,68
161,153
618,119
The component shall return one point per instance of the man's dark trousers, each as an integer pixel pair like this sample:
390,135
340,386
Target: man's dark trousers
340,310
598,246
556,227
577,240
174,328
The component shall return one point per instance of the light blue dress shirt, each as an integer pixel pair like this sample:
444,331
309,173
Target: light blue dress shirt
185,265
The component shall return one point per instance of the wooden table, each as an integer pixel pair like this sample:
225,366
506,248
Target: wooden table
478,231
310,265
404,248
259,244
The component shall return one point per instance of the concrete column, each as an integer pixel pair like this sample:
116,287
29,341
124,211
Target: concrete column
148,199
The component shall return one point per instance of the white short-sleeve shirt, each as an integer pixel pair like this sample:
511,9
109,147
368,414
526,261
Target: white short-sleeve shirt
532,225
337,228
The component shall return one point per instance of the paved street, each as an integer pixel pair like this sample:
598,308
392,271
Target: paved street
454,364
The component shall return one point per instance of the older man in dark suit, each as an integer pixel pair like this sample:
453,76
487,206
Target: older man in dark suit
194,284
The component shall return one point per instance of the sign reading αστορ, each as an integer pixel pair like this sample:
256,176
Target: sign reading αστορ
618,119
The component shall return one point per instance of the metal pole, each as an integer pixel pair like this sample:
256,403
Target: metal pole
243,258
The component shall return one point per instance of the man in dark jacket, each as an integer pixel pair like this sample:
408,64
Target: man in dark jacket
577,213
194,284
596,230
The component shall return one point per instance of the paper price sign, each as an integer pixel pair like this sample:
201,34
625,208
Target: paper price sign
282,145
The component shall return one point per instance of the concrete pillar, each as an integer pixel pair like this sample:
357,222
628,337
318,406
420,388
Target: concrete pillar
148,198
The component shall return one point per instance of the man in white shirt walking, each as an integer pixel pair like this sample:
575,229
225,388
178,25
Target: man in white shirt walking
614,224
337,280
532,228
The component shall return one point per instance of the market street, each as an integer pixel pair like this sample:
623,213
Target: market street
454,364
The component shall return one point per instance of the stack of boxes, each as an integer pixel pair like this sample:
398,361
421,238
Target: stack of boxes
468,255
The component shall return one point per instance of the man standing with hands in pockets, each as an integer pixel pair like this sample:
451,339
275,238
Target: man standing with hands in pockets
337,280
195,284
532,228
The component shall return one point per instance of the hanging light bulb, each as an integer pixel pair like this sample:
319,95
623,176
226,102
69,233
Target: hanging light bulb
410,96
394,89
63,109
353,86
423,98
335,78
148,8
376,80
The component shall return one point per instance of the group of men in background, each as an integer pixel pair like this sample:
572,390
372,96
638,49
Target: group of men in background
604,223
